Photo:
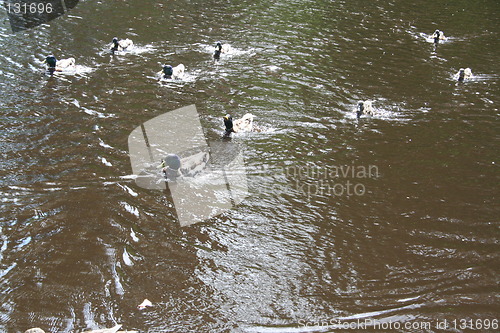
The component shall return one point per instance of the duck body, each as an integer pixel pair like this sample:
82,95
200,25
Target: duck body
365,108
194,164
244,124
54,65
169,72
226,48
464,74
121,44
437,36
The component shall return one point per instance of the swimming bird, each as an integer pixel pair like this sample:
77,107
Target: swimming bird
121,44
174,167
244,124
146,302
221,48
365,107
437,36
54,65
169,72
464,74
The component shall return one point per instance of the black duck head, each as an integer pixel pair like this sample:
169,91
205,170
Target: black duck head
228,122
168,70
461,74
218,50
51,61
115,44
437,34
361,108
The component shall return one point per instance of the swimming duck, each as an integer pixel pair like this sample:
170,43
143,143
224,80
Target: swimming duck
146,303
54,65
365,107
221,48
244,124
121,45
437,36
173,167
464,74
169,72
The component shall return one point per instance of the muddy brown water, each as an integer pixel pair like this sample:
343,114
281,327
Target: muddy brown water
415,242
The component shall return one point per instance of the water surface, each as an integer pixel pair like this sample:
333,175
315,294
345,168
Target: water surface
81,245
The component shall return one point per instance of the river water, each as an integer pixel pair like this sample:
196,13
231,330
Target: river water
409,238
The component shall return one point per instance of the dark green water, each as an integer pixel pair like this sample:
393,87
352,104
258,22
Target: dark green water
81,245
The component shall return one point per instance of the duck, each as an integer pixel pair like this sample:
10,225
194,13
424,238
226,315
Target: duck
54,65
221,48
121,44
244,124
146,303
437,36
174,167
365,107
464,74
169,72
